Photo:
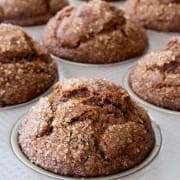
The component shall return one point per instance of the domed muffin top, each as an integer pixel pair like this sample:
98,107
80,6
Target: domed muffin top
166,61
26,68
82,23
94,32
86,128
162,15
16,45
156,77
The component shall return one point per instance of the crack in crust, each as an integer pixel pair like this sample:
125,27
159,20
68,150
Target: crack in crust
86,22
156,78
86,128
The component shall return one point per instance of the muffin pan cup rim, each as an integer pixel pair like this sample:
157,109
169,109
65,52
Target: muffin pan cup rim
23,159
79,64
141,101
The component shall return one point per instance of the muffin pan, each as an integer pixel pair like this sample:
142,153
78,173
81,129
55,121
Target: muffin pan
165,166
146,162
36,31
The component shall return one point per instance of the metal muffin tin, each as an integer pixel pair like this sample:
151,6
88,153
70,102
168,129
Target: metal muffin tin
166,166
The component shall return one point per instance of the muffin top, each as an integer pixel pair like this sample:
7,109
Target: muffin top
163,15
156,77
26,68
86,127
94,32
29,12
87,20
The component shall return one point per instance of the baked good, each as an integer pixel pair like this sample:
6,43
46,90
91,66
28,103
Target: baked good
26,69
162,15
95,32
156,77
86,128
29,12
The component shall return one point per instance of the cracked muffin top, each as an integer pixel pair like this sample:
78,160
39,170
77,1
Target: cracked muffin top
162,15
94,32
86,127
156,77
25,67
31,12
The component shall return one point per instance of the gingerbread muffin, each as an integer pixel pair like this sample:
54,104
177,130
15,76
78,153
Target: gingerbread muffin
26,69
29,12
162,15
95,32
156,77
86,128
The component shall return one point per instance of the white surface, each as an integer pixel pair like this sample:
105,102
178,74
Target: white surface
165,167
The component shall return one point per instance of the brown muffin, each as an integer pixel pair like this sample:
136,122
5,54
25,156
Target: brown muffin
162,15
94,32
156,77
26,69
29,12
86,128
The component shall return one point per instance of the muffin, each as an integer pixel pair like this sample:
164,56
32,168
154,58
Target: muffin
162,15
156,77
29,12
86,128
95,32
25,67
